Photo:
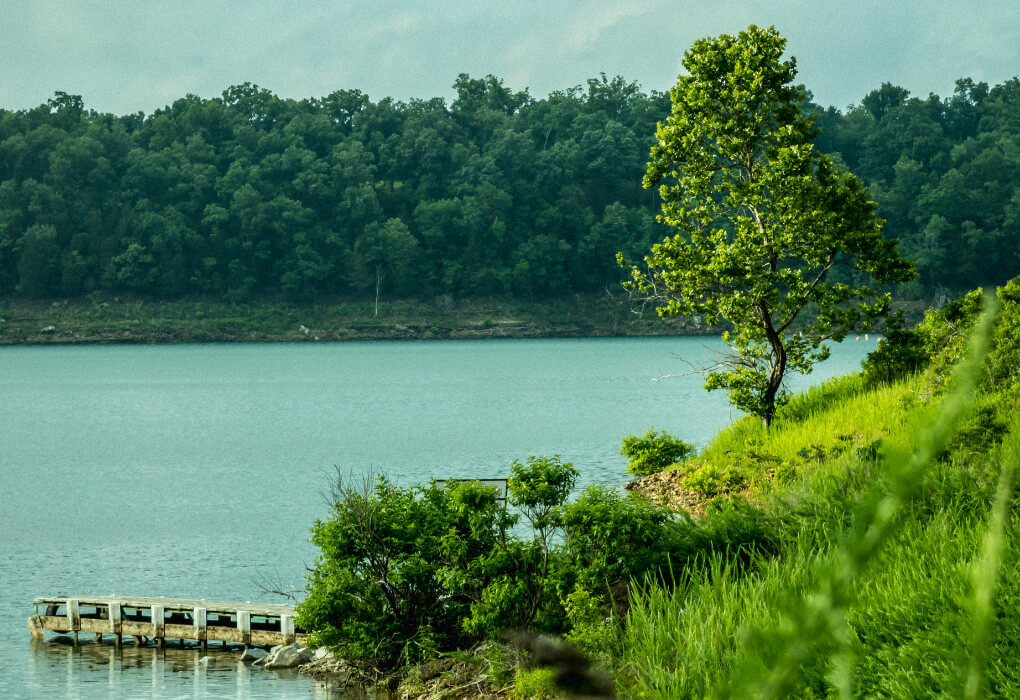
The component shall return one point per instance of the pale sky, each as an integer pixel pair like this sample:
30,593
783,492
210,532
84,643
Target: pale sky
128,56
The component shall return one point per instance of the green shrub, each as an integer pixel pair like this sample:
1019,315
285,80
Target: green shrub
539,486
900,354
1004,356
399,568
653,452
786,472
613,537
939,342
944,333
981,429
535,683
407,574
592,630
711,479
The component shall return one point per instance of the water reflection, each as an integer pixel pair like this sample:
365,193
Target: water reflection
57,666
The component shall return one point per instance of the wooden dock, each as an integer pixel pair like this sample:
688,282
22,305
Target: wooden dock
167,618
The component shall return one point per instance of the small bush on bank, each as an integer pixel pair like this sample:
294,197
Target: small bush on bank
941,340
591,629
399,568
611,537
653,452
901,353
982,429
711,479
534,684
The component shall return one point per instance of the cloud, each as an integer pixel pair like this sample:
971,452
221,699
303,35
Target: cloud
399,24
125,55
587,24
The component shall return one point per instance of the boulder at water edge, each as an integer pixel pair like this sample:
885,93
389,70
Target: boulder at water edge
253,654
287,657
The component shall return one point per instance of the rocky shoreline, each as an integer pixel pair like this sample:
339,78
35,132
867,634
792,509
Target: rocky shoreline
52,335
124,321
666,489
442,678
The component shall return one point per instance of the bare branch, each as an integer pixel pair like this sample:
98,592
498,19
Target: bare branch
272,583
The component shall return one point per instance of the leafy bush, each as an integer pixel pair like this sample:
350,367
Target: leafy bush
523,592
653,452
539,487
406,573
534,684
902,353
613,537
981,429
1004,356
945,332
399,568
591,629
710,479
941,337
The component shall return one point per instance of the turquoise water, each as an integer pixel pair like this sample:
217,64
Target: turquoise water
194,470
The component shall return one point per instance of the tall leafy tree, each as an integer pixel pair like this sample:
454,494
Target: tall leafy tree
391,252
762,218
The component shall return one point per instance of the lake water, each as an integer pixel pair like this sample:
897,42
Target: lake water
194,470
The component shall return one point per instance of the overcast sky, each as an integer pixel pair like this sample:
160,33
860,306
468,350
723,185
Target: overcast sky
128,56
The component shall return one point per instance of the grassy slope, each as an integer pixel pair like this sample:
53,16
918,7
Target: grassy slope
908,614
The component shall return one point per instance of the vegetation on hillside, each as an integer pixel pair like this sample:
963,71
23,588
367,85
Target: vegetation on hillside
496,193
898,558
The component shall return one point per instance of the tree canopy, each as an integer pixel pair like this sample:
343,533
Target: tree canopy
762,218
249,195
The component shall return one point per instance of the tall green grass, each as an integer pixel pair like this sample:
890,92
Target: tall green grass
840,418
898,575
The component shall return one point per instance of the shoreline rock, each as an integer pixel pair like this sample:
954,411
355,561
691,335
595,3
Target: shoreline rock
253,655
666,489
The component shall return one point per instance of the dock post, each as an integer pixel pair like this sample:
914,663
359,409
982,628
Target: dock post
157,624
35,627
115,627
244,626
287,628
74,621
200,627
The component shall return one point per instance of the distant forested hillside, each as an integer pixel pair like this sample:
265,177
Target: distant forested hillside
945,174
496,193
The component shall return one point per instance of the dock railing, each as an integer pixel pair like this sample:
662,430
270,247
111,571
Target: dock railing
167,618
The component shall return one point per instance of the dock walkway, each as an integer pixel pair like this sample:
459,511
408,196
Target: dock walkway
167,618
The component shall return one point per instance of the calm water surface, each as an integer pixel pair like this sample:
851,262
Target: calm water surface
193,470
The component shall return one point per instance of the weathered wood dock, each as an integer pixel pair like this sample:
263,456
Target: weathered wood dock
167,618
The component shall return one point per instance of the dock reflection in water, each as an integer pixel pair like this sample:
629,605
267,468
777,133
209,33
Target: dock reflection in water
103,670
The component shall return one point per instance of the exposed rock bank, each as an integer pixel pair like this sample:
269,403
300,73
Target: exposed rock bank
667,489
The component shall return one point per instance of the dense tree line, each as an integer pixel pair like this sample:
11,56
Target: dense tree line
246,194
494,193
945,174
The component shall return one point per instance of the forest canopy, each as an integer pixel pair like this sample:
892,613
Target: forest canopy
496,193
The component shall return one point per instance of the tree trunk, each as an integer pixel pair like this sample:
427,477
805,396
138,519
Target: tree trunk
776,370
379,274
